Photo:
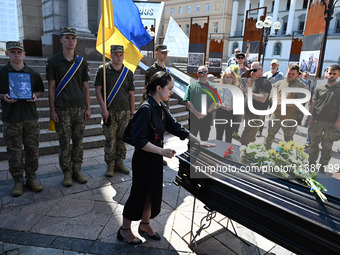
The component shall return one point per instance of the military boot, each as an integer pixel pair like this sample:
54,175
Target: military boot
121,167
34,185
68,182
110,170
78,175
18,188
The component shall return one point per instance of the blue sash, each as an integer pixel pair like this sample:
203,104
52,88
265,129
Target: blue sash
68,76
117,86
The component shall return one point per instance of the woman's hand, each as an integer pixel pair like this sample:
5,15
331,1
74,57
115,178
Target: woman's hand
169,153
206,144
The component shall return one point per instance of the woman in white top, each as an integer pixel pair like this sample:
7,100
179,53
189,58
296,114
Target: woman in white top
224,111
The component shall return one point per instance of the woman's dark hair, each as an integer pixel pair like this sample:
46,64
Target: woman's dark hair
160,78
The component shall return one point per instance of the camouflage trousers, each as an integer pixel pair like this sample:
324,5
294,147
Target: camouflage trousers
326,132
114,145
17,134
274,126
249,132
71,125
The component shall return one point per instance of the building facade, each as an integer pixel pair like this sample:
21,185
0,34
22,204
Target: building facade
219,12
40,20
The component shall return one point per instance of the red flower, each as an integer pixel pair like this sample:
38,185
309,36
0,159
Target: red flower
228,152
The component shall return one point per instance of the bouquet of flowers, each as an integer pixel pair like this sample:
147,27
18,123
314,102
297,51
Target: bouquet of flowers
228,152
235,69
288,158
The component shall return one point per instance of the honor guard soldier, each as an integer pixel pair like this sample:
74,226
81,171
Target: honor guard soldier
119,108
161,52
20,86
67,75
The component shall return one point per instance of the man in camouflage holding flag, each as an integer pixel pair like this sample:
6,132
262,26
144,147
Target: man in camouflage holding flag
119,108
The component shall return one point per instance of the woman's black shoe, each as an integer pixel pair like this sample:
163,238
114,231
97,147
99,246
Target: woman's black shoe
142,233
120,237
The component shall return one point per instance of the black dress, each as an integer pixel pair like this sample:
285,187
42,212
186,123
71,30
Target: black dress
150,124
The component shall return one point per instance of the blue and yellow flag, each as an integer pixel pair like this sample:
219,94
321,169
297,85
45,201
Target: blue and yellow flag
122,26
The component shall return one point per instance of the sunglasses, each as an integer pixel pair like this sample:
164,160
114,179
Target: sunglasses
203,72
255,70
240,57
237,52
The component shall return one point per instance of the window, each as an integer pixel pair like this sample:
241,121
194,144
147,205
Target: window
301,25
187,30
288,5
235,46
197,8
207,7
305,3
284,29
188,9
172,11
337,28
215,27
180,10
277,49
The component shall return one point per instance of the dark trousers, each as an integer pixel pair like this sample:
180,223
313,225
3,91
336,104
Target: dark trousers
224,128
200,125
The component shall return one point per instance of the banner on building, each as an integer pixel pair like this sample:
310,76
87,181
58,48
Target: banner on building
253,36
197,44
313,37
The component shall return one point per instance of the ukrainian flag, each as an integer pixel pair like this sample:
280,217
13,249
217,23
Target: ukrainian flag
122,26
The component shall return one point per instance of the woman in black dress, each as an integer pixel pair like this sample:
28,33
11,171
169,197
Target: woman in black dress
149,125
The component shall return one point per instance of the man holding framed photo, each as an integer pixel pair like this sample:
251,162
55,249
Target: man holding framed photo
20,86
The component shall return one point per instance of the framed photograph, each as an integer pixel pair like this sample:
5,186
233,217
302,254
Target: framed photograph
215,62
196,59
20,86
309,61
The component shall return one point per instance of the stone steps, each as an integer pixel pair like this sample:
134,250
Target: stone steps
93,138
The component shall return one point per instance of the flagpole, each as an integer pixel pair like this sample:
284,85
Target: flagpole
104,69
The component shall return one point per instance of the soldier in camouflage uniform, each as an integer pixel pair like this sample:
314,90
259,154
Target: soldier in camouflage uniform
161,52
325,119
115,116
289,127
71,108
20,121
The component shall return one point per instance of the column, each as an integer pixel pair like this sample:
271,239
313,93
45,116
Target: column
246,8
234,16
291,17
78,16
99,10
261,12
275,15
304,27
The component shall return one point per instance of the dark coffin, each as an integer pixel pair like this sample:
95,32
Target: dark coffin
284,211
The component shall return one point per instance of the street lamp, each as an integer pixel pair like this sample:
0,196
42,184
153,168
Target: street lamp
266,24
329,10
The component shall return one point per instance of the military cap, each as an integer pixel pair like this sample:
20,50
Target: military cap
117,48
161,47
14,45
68,31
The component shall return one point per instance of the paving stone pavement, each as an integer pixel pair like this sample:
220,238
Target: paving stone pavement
84,219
